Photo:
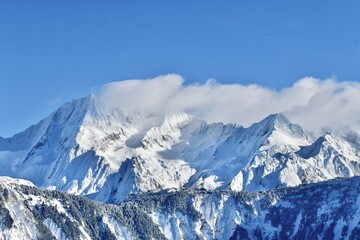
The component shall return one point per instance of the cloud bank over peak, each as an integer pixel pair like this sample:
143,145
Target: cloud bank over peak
317,105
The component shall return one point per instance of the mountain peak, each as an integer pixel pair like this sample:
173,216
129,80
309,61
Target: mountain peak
276,120
276,129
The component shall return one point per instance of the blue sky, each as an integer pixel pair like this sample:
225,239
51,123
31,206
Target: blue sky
54,51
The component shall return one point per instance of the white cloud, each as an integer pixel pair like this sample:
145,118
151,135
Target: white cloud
315,104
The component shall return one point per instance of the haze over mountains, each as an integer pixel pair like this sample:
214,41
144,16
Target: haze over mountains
97,150
316,104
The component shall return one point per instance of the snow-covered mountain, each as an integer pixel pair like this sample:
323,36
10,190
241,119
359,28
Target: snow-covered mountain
327,210
105,154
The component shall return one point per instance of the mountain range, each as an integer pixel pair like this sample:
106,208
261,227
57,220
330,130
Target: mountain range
172,175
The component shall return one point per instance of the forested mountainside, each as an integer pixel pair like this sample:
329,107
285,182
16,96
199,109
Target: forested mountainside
327,210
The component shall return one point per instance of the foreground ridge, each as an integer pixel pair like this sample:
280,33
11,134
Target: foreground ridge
328,210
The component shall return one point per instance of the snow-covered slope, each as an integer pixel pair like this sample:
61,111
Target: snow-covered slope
27,212
106,154
328,210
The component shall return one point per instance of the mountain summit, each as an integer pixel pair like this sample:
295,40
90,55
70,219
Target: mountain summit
88,149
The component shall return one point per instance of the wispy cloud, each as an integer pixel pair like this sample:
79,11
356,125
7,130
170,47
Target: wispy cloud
54,101
316,104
